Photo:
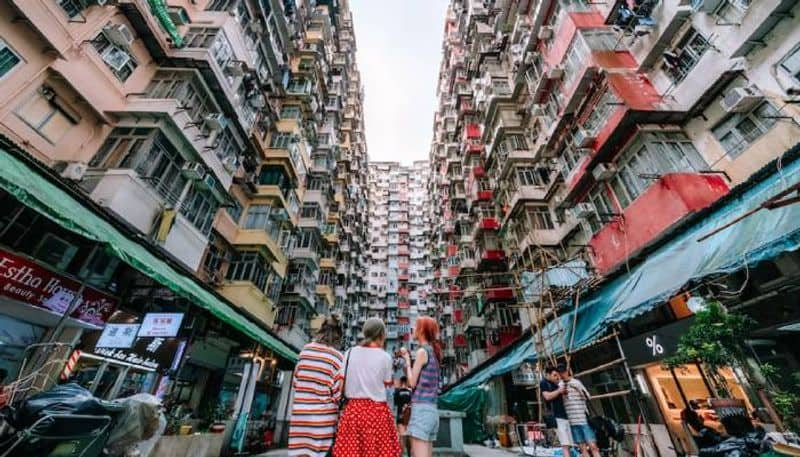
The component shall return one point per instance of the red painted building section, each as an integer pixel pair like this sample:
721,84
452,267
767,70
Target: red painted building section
666,202
566,32
505,336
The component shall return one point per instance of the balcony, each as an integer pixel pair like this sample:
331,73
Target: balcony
294,335
265,239
668,17
491,259
665,203
247,296
498,294
137,202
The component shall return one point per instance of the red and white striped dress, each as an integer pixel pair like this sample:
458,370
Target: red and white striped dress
315,406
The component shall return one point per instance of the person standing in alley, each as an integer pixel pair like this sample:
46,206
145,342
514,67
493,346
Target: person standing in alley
366,426
576,398
556,415
402,397
423,377
317,390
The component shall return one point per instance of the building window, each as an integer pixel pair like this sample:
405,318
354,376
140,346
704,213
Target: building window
55,251
739,130
733,11
601,112
249,266
8,59
290,112
533,176
280,140
200,37
692,47
48,114
213,261
226,145
654,155
71,7
261,217
160,165
286,315
790,63
602,208
118,60
200,207
192,96
234,210
540,218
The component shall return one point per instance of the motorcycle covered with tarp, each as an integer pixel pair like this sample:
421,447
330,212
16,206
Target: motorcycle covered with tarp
68,421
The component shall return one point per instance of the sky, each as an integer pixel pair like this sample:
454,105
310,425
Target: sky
399,51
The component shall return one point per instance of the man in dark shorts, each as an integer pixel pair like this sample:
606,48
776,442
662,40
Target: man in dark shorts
402,397
553,394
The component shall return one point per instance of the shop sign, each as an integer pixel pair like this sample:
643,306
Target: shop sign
525,375
154,353
118,336
161,325
29,282
655,345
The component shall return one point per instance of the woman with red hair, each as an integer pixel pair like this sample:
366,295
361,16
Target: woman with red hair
423,377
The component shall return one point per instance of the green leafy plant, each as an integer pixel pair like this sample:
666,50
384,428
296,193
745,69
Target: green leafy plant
715,338
785,394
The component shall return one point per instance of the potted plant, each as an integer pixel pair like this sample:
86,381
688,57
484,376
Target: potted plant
716,339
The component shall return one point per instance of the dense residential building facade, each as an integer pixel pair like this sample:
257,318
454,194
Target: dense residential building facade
581,133
399,270
227,134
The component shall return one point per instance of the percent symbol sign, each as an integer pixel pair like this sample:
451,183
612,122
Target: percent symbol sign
652,343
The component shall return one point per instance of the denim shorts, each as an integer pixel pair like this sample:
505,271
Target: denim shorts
583,434
424,423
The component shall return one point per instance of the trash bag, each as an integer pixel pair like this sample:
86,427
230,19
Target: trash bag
606,429
139,421
63,399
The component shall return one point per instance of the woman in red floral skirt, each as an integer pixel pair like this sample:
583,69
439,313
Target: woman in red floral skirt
366,426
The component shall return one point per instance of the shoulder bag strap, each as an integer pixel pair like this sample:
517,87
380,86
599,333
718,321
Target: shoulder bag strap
344,377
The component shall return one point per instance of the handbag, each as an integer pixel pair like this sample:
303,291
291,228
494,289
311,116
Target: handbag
405,414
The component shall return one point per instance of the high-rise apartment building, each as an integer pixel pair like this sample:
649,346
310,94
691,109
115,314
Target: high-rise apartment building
583,132
399,270
227,133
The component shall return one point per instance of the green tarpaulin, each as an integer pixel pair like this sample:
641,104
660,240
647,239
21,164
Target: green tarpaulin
38,193
470,402
159,10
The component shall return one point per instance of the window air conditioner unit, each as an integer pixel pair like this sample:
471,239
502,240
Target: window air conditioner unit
119,35
216,121
179,16
116,58
741,99
545,33
582,210
74,171
582,139
555,73
235,68
604,171
231,163
193,170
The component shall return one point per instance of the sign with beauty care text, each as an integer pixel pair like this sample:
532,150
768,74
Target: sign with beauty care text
118,336
162,325
28,282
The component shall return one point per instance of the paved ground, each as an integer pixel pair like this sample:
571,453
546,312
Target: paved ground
470,450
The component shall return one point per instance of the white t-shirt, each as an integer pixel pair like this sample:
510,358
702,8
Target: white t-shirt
369,372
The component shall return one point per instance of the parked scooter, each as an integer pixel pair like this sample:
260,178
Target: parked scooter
68,421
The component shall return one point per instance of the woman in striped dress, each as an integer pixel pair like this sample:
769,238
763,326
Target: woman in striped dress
317,390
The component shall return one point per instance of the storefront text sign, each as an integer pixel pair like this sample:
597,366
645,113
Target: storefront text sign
154,353
655,345
29,282
118,336
161,324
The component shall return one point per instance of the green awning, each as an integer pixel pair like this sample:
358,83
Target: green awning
38,193
159,10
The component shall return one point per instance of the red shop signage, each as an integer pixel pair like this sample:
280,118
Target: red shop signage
29,282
